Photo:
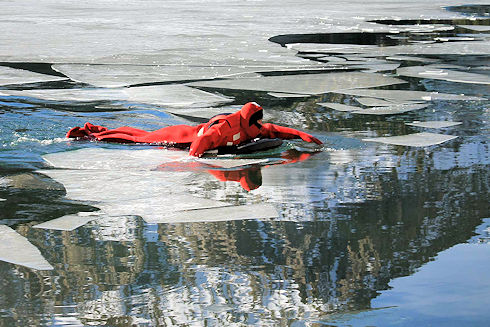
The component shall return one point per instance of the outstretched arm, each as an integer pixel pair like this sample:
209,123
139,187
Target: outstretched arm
276,131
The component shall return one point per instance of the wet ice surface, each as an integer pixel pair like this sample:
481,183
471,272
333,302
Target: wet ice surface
298,235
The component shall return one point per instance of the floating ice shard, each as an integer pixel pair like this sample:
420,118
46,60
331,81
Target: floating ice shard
287,95
225,213
234,163
16,249
402,96
478,28
30,181
391,110
434,124
163,95
69,222
418,139
11,76
446,73
174,96
373,102
339,106
411,58
305,83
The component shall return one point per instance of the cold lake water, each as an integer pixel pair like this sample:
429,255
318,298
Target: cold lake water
385,224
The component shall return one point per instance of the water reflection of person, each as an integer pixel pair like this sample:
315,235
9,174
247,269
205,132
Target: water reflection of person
251,178
221,130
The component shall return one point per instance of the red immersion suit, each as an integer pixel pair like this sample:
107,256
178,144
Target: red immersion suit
222,130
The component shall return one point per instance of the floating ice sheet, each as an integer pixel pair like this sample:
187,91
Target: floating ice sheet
163,95
11,76
16,249
125,75
114,159
418,139
69,222
128,182
445,73
305,83
434,124
225,213
401,96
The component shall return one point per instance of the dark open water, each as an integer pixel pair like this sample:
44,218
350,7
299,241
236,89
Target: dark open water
372,234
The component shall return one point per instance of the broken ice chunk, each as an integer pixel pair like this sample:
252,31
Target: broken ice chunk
251,211
113,159
163,95
69,222
440,72
478,28
18,250
287,95
418,139
373,102
126,75
434,124
339,106
401,96
391,110
10,76
304,83
233,163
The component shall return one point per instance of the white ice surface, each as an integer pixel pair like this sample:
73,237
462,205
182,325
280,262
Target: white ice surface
434,124
164,95
127,183
418,139
445,73
189,32
11,76
16,249
306,83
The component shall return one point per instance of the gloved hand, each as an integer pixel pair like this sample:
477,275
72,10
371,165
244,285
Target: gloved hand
209,140
86,131
273,131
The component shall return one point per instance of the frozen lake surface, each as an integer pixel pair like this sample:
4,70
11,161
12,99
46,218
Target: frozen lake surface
386,224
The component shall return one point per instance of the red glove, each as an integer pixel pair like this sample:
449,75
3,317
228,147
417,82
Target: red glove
276,131
209,140
86,131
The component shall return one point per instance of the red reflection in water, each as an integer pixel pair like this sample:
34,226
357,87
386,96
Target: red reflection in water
250,178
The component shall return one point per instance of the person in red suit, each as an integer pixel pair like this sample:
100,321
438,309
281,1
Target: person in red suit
221,130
